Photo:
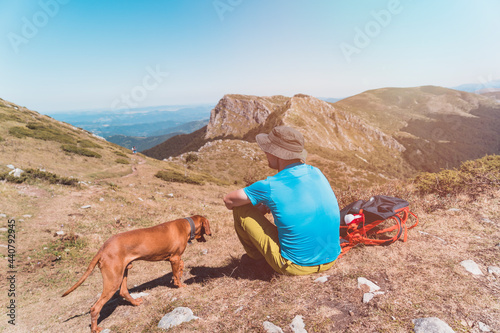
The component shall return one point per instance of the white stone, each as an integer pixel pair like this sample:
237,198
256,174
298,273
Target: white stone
431,325
367,297
471,267
176,317
271,328
494,270
86,207
298,325
363,281
483,327
16,172
10,166
60,233
322,279
137,295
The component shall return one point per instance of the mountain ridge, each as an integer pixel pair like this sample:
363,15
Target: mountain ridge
418,128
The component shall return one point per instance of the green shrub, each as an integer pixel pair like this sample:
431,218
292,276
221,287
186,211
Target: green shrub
471,177
88,144
119,153
191,157
122,161
30,175
176,176
80,151
41,132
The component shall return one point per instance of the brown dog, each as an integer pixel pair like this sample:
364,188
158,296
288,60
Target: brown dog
166,241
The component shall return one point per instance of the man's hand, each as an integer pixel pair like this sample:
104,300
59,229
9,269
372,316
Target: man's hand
263,209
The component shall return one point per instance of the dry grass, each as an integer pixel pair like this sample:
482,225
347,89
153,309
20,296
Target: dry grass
420,278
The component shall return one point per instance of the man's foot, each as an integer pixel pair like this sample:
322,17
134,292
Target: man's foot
249,261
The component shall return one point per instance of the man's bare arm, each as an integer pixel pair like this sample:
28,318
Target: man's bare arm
236,198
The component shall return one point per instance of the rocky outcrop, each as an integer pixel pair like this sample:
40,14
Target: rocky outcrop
236,115
240,116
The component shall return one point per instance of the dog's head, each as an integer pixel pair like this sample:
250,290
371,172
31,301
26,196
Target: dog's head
204,228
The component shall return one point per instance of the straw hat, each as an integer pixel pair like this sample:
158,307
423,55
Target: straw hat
283,142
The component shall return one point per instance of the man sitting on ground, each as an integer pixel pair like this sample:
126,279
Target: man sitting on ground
305,236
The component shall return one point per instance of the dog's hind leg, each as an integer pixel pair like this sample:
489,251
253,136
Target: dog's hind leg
124,290
177,270
111,277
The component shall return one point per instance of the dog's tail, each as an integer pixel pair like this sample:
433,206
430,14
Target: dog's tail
91,267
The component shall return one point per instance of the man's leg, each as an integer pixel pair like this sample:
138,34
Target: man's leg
258,236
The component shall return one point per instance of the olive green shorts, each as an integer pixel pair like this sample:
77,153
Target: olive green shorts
260,240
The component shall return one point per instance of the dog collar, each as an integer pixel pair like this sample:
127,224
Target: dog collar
191,223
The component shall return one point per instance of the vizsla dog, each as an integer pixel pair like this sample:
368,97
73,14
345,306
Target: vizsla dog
166,241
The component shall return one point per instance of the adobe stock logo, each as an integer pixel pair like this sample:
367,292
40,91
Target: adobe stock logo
151,81
30,27
221,7
371,30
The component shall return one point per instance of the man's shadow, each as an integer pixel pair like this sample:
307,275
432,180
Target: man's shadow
234,269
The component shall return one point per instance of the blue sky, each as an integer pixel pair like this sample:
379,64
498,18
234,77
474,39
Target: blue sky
71,55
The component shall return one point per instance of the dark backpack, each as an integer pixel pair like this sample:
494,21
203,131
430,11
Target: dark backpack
381,221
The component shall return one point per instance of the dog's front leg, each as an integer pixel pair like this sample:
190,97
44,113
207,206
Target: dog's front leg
177,270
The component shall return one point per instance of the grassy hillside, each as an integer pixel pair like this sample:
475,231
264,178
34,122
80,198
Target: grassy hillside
419,278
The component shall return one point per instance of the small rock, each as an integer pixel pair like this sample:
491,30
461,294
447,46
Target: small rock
137,295
471,267
59,233
271,328
106,330
431,325
351,313
204,251
372,286
494,270
10,166
86,207
3,215
16,172
27,216
140,199
322,279
101,199
367,297
486,220
170,195
298,325
3,229
483,327
176,317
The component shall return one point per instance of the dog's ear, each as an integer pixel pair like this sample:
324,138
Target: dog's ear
206,226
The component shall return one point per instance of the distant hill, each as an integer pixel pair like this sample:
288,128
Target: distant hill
143,143
478,87
438,127
141,122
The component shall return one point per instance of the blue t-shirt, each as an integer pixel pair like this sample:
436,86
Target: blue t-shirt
305,212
